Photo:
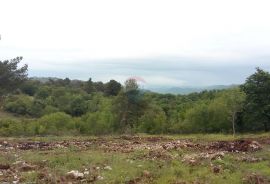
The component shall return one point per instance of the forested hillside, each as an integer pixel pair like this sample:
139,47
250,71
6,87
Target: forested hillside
72,107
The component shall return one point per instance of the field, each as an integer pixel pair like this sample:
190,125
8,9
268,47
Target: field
136,159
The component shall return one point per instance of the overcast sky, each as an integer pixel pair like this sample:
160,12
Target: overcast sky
170,43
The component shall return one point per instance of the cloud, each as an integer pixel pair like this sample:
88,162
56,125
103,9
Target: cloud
167,42
163,71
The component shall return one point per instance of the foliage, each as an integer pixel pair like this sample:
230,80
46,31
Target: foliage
153,121
129,105
11,75
257,88
19,104
112,88
64,106
55,124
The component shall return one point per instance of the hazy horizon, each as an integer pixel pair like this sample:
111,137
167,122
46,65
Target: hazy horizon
168,43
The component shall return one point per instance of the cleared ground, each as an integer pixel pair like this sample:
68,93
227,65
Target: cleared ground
136,159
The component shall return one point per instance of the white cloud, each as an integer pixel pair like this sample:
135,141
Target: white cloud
118,29
67,35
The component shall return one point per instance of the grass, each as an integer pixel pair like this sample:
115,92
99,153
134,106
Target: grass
134,166
6,115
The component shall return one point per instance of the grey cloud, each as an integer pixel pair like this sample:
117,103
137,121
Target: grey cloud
195,72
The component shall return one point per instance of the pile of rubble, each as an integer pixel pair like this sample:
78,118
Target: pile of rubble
179,144
235,146
12,173
127,145
194,159
39,145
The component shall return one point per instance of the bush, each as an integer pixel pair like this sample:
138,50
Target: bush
19,104
96,123
153,121
30,87
10,127
56,124
50,109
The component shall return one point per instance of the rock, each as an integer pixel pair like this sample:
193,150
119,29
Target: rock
74,174
190,159
108,168
100,178
254,146
86,172
26,167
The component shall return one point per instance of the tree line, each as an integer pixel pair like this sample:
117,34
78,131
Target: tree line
72,107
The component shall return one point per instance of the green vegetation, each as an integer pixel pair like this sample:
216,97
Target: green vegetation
72,107
119,160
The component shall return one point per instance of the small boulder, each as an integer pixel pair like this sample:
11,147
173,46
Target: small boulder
74,174
26,167
108,168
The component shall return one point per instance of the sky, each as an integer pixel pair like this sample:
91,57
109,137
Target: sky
167,42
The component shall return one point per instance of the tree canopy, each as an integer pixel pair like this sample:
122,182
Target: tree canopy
65,106
11,75
257,89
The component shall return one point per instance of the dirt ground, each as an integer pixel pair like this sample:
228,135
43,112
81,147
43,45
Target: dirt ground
31,161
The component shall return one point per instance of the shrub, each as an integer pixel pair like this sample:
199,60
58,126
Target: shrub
19,104
96,123
10,127
56,124
153,121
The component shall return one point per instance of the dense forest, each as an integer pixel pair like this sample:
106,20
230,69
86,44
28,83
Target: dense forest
72,107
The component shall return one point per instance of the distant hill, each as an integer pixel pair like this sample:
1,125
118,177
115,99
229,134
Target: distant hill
187,90
158,89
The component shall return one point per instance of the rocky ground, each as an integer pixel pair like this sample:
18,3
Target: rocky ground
134,159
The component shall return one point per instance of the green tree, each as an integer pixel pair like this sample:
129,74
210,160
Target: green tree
11,75
89,86
112,88
99,86
30,87
153,121
234,100
78,106
43,92
129,106
257,89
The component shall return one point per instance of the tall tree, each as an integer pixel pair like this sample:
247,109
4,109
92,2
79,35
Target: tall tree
129,106
11,75
257,89
234,100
